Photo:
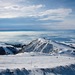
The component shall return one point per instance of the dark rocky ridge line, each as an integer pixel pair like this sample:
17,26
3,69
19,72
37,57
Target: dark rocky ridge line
61,70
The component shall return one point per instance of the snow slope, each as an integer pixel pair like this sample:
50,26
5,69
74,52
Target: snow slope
25,64
25,60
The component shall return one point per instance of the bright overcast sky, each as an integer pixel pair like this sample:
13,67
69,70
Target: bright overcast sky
37,14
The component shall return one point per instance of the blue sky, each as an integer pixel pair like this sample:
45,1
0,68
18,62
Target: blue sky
37,14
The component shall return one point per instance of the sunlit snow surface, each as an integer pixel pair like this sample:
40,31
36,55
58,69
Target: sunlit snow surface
29,61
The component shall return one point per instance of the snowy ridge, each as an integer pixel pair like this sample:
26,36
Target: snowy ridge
30,61
67,70
48,46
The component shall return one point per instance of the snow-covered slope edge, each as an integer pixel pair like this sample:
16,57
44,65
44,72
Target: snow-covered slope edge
67,70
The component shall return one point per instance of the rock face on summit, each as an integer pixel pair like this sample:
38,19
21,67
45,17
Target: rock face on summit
39,45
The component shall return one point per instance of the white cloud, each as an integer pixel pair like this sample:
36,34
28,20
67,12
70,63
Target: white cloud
65,24
18,11
55,14
12,9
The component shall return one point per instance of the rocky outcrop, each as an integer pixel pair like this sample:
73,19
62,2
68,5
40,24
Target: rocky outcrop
7,49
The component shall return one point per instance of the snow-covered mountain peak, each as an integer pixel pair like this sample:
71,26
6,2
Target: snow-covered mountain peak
43,40
43,45
39,45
